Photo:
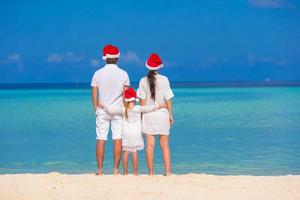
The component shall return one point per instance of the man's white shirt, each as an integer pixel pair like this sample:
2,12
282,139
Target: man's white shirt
110,81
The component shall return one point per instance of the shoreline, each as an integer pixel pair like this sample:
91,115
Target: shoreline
55,185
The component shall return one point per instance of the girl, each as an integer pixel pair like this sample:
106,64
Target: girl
155,89
132,139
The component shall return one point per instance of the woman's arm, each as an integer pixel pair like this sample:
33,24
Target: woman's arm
95,98
169,106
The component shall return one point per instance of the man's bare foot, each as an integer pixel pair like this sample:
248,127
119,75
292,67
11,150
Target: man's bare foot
168,174
116,172
99,172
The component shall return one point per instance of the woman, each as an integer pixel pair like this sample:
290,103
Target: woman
155,89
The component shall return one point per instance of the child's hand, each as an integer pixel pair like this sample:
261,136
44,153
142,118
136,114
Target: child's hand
101,105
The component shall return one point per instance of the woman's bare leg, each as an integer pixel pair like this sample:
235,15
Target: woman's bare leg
125,162
135,163
150,143
164,144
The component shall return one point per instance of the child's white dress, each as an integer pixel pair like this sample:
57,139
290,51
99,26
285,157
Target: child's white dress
132,139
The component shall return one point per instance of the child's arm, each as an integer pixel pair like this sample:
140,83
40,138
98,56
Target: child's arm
145,109
111,110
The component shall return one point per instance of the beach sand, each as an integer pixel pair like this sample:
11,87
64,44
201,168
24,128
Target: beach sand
184,187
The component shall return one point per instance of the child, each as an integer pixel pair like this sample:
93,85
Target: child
132,139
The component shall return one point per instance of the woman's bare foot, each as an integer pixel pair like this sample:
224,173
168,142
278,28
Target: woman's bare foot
168,174
151,174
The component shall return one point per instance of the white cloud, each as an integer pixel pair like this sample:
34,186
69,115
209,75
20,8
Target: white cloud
69,56
94,62
54,58
282,63
14,60
14,57
269,3
254,59
130,57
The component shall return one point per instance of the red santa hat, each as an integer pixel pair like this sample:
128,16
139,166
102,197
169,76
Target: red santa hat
110,51
130,95
154,62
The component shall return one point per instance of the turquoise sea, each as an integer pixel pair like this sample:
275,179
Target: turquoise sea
217,130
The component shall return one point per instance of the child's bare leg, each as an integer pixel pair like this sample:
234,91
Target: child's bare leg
135,162
125,162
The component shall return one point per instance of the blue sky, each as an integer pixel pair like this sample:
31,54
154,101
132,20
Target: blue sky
200,40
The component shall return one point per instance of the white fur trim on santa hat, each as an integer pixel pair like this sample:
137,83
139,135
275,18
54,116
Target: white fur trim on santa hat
111,56
130,99
154,68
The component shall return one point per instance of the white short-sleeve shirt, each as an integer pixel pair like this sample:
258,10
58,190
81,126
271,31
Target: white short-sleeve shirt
110,81
163,91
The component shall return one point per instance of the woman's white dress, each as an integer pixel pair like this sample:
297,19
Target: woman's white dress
158,122
132,139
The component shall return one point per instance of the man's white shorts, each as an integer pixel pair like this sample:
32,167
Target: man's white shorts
103,120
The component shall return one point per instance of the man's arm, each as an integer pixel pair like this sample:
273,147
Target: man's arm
95,97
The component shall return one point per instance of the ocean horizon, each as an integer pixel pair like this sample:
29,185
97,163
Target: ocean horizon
222,129
82,85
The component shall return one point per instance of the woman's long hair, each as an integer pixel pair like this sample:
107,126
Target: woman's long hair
151,80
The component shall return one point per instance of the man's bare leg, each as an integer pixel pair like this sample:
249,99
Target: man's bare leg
100,150
117,155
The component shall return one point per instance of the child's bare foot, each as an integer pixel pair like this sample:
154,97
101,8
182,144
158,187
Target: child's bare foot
99,172
125,173
116,172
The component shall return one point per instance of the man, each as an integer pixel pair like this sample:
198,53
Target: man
108,84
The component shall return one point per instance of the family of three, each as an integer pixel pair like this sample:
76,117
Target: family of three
115,106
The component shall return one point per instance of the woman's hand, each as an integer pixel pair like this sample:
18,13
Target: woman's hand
171,120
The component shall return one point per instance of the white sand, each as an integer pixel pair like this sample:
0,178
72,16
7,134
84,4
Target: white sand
184,187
